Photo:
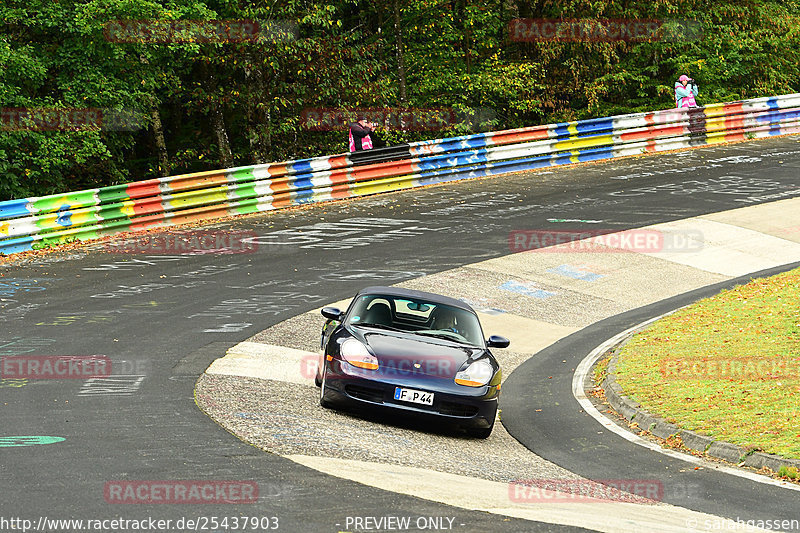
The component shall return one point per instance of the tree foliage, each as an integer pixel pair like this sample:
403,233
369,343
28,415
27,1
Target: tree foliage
206,103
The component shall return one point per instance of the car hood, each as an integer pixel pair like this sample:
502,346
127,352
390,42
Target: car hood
415,354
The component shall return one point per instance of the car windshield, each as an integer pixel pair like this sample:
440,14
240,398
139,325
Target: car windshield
423,317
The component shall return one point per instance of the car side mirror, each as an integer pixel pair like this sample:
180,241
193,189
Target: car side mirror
496,341
332,313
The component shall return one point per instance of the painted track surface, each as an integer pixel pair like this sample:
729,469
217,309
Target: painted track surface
162,319
530,298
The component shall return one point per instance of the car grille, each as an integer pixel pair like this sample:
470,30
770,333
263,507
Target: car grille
457,409
365,393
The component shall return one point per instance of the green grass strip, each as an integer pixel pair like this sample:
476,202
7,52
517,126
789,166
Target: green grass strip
727,366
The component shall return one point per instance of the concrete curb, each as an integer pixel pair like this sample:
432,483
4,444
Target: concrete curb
659,427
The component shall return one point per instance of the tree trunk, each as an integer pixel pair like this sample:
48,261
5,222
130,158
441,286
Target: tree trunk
158,131
217,118
466,50
265,139
249,111
262,118
398,44
461,15
218,123
257,113
161,144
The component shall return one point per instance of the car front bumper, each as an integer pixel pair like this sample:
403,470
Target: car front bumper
347,386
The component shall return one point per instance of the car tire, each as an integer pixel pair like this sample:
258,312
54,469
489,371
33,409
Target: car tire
322,401
480,433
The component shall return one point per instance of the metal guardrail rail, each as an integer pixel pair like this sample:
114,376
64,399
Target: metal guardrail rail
32,223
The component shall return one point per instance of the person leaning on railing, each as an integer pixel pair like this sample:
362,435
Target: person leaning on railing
362,135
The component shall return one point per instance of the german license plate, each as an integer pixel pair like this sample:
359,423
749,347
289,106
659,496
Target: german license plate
413,396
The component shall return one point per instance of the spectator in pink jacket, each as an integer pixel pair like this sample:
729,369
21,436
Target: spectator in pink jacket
685,92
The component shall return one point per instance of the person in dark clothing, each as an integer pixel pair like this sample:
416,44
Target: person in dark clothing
362,135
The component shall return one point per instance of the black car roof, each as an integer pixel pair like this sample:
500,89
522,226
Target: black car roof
416,295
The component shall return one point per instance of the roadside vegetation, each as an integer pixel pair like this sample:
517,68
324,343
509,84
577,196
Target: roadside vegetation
206,104
727,367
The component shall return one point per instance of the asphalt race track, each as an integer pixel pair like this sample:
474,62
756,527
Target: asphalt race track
162,319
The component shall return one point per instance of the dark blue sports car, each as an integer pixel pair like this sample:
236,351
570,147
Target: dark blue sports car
414,352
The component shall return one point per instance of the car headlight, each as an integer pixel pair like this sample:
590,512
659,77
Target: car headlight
477,374
356,354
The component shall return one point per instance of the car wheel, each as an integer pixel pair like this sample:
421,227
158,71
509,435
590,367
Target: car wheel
480,433
322,401
320,368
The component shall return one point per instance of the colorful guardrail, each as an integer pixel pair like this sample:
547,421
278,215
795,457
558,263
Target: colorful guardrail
32,223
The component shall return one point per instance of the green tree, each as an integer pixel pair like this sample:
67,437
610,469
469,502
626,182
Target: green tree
205,103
